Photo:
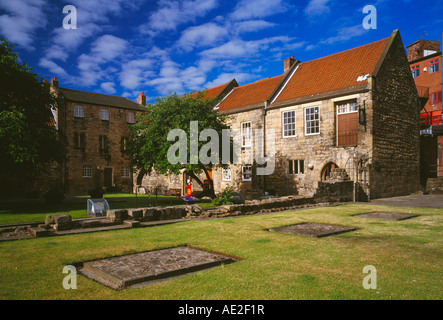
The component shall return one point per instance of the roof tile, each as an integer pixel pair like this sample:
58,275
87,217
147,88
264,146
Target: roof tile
334,72
250,94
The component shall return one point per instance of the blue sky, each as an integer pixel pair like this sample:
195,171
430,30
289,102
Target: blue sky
124,47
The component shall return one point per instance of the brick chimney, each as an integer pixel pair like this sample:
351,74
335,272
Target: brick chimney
142,99
288,63
54,82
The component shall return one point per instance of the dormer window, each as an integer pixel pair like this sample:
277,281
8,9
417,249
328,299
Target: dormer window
79,111
104,114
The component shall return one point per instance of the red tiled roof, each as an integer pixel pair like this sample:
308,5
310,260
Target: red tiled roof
215,91
250,94
333,72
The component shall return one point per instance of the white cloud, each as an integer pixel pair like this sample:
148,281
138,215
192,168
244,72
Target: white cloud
251,9
108,47
317,7
21,20
252,26
239,48
345,34
108,87
172,13
105,49
135,72
225,77
172,77
93,17
201,36
54,68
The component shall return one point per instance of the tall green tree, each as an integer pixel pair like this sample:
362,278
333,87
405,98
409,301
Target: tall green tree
149,145
28,137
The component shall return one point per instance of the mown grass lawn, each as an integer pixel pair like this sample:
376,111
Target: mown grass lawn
408,256
15,211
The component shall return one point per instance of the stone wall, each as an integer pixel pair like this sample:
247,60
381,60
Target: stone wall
434,185
316,150
396,154
196,212
86,151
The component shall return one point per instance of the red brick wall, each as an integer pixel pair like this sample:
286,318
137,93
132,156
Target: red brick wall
433,81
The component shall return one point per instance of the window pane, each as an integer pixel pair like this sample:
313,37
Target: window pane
246,173
87,171
130,118
79,111
246,133
289,123
312,123
104,114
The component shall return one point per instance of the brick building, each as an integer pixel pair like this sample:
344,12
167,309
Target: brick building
356,110
96,130
425,61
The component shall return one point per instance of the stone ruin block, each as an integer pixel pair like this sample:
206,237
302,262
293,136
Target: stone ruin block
151,214
59,222
37,232
117,216
136,214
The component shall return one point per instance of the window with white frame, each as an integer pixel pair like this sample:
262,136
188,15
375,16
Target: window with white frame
246,134
125,172
104,114
296,166
347,107
312,120
288,119
87,171
226,174
246,173
130,117
79,111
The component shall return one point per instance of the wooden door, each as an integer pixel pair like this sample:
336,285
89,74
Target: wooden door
347,129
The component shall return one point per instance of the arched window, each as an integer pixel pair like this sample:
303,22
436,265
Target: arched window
326,171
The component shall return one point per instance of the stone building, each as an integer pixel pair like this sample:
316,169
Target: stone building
425,61
354,114
96,130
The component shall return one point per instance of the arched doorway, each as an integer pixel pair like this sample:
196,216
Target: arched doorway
326,171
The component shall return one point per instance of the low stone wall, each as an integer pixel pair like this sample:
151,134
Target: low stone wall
56,223
335,191
257,206
197,212
434,185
